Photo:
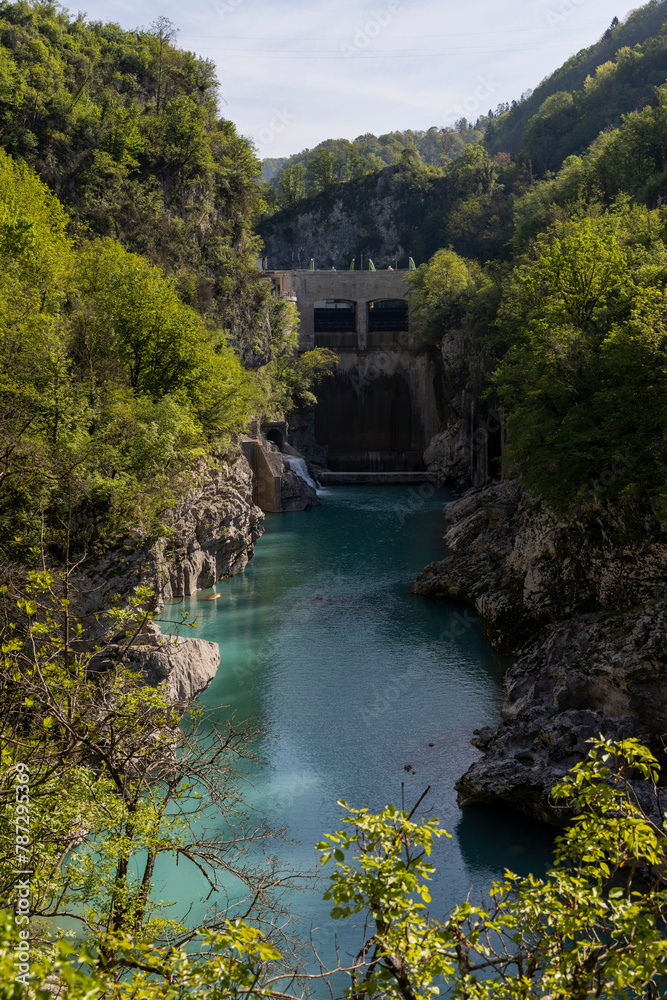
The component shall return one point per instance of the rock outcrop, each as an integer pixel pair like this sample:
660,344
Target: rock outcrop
184,667
593,674
524,565
373,217
212,534
295,492
580,599
468,447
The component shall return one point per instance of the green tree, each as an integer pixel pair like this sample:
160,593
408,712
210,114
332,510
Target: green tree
326,168
292,185
438,291
105,761
578,351
591,927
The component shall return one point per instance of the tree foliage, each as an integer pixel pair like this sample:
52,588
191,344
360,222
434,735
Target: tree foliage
583,321
111,386
106,761
591,927
125,129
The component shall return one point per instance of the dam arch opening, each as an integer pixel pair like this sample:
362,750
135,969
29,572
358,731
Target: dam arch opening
387,315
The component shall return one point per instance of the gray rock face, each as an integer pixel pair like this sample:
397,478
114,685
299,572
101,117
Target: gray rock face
465,449
525,566
302,436
214,530
295,492
185,667
581,601
593,674
333,227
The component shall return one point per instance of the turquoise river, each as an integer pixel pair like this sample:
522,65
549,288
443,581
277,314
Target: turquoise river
363,688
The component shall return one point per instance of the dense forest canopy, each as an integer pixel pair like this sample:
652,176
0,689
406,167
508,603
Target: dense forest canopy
138,336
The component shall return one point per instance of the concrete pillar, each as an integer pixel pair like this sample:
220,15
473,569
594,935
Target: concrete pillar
362,325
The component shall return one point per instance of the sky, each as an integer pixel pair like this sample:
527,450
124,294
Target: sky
295,72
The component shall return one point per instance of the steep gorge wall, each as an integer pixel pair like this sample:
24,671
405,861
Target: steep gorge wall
387,216
212,534
469,445
579,598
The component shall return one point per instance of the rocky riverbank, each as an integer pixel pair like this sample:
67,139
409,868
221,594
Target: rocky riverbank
579,599
211,534
183,667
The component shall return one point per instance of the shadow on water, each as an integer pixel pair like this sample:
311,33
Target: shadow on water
499,837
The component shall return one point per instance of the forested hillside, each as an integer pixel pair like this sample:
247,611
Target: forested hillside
337,160
616,75
111,386
124,127
137,336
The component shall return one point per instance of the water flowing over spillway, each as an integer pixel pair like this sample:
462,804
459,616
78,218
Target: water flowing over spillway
363,688
299,466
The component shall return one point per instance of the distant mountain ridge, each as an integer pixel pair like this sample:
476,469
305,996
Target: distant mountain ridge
641,25
589,93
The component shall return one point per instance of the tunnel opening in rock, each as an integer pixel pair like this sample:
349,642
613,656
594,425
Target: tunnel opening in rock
275,436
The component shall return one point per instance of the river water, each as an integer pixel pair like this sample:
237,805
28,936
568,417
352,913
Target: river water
367,692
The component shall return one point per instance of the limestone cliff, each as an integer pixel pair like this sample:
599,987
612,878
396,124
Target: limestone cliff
387,216
467,448
212,533
183,667
579,597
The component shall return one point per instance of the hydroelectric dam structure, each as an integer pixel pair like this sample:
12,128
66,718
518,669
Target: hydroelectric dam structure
376,415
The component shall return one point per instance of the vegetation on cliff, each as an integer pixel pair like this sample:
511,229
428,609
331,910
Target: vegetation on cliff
125,129
334,161
137,336
584,375
111,386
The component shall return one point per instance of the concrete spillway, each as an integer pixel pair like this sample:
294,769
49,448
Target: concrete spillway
377,478
379,411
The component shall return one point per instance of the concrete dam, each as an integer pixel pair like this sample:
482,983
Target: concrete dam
379,411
